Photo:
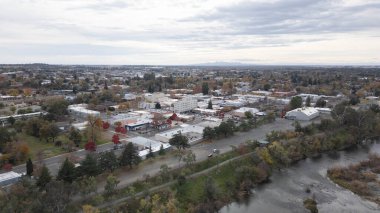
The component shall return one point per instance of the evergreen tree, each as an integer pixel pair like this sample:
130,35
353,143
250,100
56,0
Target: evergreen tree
209,133
67,172
89,166
158,105
44,177
320,103
150,154
209,105
130,156
162,150
205,88
29,167
150,89
11,120
108,161
295,102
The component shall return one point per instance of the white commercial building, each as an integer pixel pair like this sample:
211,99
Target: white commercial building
145,143
79,110
192,132
241,111
185,104
302,114
323,110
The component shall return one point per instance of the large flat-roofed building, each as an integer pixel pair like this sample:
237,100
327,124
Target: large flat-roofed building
192,132
4,120
241,111
138,124
143,145
302,114
79,110
185,104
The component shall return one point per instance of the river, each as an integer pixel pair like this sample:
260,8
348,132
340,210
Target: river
287,189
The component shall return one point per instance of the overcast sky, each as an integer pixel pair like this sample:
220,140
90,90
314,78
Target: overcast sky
170,32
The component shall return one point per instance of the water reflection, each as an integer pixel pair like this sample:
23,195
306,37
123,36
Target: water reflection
288,188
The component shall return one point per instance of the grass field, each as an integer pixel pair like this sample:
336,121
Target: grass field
36,146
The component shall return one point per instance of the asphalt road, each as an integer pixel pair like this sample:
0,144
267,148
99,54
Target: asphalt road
152,167
201,151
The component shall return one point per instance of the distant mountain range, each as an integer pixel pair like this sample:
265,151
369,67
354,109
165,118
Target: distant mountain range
221,64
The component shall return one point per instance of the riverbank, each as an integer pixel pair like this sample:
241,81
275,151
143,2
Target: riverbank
287,189
361,178
209,193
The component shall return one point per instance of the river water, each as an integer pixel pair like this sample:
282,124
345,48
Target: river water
287,189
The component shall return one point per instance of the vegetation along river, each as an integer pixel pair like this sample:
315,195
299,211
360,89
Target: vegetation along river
287,188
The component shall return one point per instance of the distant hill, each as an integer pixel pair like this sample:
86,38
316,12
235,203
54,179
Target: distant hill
221,64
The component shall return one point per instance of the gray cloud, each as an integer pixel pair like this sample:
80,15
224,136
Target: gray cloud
104,6
294,16
71,49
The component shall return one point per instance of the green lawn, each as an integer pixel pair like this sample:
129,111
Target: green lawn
36,146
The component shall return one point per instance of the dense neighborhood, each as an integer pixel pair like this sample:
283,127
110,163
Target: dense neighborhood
84,131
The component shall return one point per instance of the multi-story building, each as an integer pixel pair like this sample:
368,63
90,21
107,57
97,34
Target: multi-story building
185,104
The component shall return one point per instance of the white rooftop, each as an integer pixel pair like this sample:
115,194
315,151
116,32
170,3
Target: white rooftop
145,143
306,110
9,175
247,109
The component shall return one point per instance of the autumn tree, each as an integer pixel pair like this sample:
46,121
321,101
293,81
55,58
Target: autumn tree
111,184
75,136
87,185
279,154
189,158
5,137
106,125
49,131
57,107
93,129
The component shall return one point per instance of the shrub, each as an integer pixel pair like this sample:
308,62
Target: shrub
311,205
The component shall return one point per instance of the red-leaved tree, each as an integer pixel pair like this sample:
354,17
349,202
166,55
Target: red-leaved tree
115,139
7,167
123,130
106,125
90,146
